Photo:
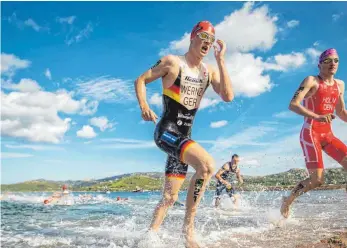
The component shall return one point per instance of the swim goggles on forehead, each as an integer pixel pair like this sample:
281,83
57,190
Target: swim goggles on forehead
205,36
329,60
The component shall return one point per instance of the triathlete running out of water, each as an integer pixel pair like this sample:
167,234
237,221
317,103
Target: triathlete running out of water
323,98
185,80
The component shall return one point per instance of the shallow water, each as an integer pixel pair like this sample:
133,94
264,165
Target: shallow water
103,222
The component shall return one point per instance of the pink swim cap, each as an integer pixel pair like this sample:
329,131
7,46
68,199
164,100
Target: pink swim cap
327,53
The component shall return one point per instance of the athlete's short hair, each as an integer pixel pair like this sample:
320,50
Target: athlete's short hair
234,155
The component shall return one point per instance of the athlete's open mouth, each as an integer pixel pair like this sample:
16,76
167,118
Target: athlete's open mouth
204,48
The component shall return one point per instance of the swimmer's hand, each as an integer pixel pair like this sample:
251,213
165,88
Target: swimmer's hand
219,53
148,114
325,118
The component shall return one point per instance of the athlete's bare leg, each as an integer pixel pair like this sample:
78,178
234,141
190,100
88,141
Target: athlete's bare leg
217,202
171,188
344,163
315,180
202,162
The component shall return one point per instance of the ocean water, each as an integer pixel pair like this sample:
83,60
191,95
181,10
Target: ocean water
101,221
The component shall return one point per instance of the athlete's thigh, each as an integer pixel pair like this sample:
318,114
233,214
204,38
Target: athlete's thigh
195,155
336,149
311,148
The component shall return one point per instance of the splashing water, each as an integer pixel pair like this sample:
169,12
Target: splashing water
99,220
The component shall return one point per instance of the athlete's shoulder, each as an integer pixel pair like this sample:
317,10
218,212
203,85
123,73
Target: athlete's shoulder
339,81
310,80
226,166
169,59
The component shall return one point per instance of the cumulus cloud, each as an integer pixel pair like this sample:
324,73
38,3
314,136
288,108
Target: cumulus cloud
218,124
86,132
101,122
30,112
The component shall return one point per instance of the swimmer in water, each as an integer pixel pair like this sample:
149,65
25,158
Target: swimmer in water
185,79
323,98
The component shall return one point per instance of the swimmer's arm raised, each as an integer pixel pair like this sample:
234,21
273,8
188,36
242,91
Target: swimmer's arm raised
220,80
295,103
341,111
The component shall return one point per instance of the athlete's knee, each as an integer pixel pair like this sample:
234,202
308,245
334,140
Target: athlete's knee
317,181
206,168
169,199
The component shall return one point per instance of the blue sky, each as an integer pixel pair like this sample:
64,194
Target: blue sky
68,106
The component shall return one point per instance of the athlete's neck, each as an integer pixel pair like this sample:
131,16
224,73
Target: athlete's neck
192,60
327,78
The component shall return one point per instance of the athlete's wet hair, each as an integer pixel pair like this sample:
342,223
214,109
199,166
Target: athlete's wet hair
235,155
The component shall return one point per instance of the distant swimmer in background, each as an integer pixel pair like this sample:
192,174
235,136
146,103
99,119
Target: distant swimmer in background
121,199
225,176
56,196
322,98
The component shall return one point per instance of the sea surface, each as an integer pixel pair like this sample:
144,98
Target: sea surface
98,220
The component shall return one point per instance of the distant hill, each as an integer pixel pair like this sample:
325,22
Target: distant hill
155,180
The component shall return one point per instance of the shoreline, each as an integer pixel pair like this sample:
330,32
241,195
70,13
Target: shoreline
339,240
239,189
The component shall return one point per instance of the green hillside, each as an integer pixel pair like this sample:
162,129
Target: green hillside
155,181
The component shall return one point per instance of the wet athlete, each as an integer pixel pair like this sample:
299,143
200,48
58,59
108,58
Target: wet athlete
225,176
322,96
185,80
56,196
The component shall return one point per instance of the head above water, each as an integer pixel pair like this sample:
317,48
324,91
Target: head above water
328,62
201,38
235,158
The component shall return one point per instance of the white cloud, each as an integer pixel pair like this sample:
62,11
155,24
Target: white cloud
10,63
35,147
101,122
14,155
284,115
48,74
156,99
24,85
284,62
68,19
82,34
247,137
27,23
255,28
293,23
31,23
251,162
313,54
316,43
218,124
121,143
32,113
107,89
86,132
336,17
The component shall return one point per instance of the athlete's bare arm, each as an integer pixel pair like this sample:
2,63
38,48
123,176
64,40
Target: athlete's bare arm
341,111
224,168
295,104
220,80
160,69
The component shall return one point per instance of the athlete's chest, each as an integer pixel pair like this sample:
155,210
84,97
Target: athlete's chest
193,84
326,96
